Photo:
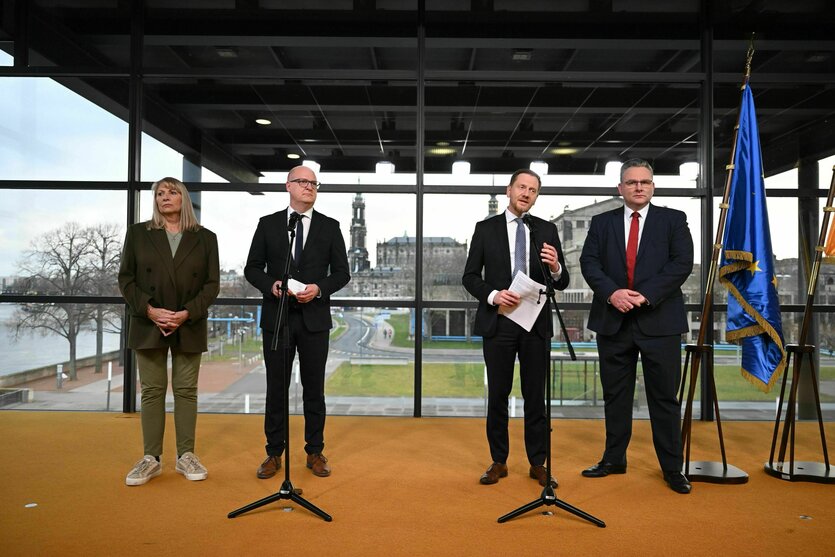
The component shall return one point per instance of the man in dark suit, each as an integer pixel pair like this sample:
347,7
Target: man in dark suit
319,261
500,248
635,260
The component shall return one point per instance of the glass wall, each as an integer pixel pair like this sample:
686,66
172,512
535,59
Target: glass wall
417,117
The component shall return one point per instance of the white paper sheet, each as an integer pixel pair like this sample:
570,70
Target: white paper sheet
531,303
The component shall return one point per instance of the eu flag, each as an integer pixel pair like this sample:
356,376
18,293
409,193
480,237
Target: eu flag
747,268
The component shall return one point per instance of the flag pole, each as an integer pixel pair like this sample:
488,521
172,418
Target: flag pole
797,470
713,472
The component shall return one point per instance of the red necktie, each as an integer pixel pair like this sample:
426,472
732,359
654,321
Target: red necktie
632,250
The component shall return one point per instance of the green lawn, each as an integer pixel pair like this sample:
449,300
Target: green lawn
467,380
400,323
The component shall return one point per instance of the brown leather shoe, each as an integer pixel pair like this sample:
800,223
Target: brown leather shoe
319,465
540,474
269,467
491,476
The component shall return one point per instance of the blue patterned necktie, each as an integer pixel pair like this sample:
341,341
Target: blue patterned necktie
519,252
297,253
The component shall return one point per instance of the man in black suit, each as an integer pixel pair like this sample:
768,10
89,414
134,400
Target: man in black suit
319,261
501,247
635,260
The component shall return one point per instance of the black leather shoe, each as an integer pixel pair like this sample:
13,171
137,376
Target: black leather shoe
678,482
603,468
494,472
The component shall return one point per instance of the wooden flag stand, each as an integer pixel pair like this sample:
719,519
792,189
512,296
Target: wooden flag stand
706,471
802,471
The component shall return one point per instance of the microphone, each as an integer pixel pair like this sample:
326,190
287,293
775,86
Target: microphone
528,220
294,219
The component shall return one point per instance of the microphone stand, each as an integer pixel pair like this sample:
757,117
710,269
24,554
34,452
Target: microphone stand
548,496
286,491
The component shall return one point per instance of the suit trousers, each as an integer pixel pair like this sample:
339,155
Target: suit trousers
153,375
661,363
313,355
500,352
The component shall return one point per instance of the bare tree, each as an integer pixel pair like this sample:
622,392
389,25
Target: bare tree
105,244
57,264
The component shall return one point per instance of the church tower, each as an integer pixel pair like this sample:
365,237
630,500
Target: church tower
492,206
357,253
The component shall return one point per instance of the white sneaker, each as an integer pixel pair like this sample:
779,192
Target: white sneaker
189,466
147,468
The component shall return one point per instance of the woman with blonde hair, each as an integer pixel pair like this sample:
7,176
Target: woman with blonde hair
169,276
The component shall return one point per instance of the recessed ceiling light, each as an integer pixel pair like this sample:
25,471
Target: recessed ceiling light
540,167
522,54
293,156
689,170
227,52
441,151
384,167
312,165
564,150
263,121
461,167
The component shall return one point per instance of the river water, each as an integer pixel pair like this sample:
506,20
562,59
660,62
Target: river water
31,351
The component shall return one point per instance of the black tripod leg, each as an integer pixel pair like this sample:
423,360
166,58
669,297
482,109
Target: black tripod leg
523,509
582,514
310,506
549,498
256,504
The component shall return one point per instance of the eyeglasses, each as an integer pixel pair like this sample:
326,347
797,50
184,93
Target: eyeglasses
633,183
306,183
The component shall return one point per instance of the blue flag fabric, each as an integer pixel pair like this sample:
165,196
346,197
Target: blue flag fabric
747,267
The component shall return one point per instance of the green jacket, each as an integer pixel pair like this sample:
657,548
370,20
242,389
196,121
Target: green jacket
150,275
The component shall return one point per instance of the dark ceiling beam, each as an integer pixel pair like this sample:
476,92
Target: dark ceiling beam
437,94
500,165
294,110
494,138
275,40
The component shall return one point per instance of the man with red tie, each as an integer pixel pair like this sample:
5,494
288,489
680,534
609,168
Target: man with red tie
635,260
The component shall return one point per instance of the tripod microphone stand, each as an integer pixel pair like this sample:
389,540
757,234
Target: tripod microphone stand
548,496
286,491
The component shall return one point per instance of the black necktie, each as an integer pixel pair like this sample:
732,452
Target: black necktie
297,254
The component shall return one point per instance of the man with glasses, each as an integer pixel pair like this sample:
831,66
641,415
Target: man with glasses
635,260
319,261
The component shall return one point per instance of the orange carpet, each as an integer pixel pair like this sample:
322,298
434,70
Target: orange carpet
400,486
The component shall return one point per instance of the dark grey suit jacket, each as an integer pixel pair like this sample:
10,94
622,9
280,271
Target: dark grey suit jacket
190,280
324,262
490,252
665,260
